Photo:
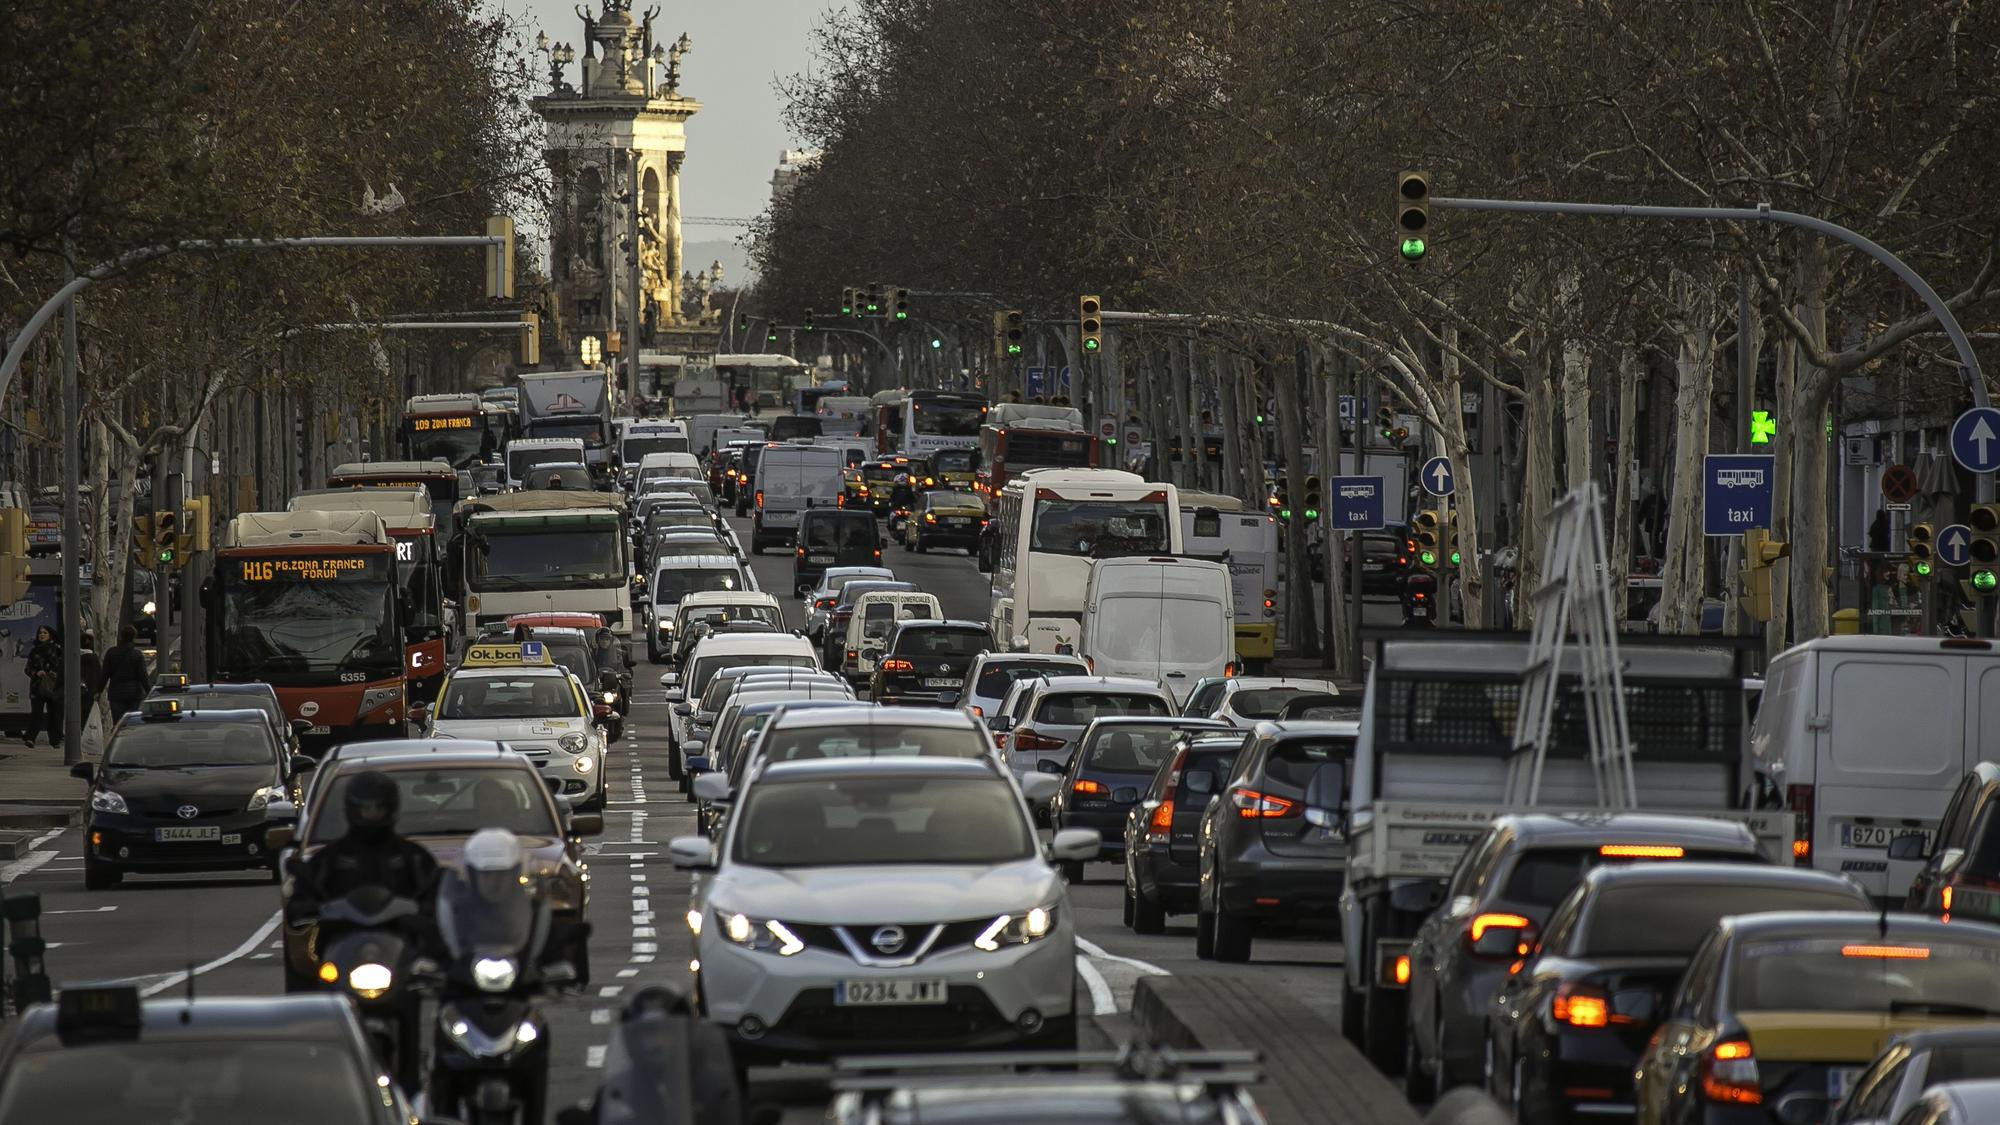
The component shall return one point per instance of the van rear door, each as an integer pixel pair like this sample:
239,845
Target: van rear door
1890,745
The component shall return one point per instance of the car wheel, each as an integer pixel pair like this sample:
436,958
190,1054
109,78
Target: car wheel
1125,915
1232,937
1417,1084
99,876
1072,870
1148,917
1204,935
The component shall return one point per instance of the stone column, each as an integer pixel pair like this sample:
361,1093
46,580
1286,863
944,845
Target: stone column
670,229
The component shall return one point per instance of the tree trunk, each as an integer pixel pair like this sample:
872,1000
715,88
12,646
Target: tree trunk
1537,477
1686,556
1811,395
1777,631
1287,382
1579,459
1624,480
1450,422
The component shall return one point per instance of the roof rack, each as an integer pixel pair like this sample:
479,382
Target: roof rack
1216,1071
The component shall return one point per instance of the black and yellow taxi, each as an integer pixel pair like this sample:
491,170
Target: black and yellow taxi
954,468
184,790
100,1053
1778,1013
231,697
944,518
883,485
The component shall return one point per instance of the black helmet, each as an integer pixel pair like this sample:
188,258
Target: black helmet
372,801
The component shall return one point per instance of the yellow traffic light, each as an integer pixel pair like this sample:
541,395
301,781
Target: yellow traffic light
1424,529
500,259
1760,554
531,339
1090,322
194,525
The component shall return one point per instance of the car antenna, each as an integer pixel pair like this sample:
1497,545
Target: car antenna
187,1013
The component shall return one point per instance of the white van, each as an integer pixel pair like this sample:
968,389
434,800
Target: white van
525,453
874,622
1159,618
666,466
791,477
641,439
1863,739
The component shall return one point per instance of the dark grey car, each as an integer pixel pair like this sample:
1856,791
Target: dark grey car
1162,832
1274,841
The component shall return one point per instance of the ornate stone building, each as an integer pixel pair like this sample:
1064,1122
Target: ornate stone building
616,136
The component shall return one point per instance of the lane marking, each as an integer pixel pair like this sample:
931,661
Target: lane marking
600,1015
610,990
82,910
628,973
1096,950
248,947
33,859
1101,1001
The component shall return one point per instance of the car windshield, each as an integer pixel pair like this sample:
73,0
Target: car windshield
450,801
883,820
1077,708
229,701
521,459
1866,973
995,679
176,744
948,644
874,740
1168,630
1265,703
705,667
210,1080
636,448
1542,876
833,533
509,697
723,614
1130,748
672,584
1670,920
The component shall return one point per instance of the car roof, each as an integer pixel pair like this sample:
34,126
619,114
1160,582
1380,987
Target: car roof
728,597
728,644
941,718
1179,722
808,769
415,746
1248,683
478,752
1874,926
1308,728
1031,658
310,1015
833,572
1742,874
1956,1035
489,671
1057,684
209,715
261,690
765,706
699,562
1542,829
946,623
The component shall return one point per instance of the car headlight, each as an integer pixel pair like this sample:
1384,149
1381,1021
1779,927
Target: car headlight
263,797
610,697
1017,929
478,1043
767,935
666,625
584,763
495,974
370,979
149,609
572,743
104,800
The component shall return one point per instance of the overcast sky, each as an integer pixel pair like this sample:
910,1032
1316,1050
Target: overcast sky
741,49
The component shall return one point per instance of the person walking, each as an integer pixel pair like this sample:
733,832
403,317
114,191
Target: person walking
45,687
126,679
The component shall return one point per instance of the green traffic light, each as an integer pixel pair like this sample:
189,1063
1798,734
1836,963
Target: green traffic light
167,556
1454,558
1428,558
1013,349
1284,513
1413,249
901,315
1111,441
1312,513
936,343
1923,570
1984,581
1090,345
1260,419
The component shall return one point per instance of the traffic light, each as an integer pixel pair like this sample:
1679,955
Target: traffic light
871,300
899,303
1090,322
500,259
13,555
743,322
1013,332
195,525
1984,521
808,325
1760,554
1413,214
1425,527
1283,501
1448,538
846,302
531,339
1314,498
1393,432
1921,540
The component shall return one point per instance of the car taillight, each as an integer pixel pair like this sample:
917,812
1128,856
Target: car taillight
1252,805
1160,826
930,517
1729,1074
1580,1006
1799,798
1089,788
1497,934
760,498
895,665
1029,740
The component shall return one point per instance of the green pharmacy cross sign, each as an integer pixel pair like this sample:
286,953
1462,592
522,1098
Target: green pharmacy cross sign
1763,427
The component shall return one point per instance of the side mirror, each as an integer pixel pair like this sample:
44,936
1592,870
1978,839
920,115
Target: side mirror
300,763
300,726
1039,787
1075,845
1048,765
696,763
278,836
586,824
682,709
691,853
711,787
420,713
1000,723
83,771
1504,941
1907,846
1416,898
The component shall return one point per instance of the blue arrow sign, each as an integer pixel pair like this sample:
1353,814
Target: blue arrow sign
1736,492
1975,439
1354,504
1954,545
1436,477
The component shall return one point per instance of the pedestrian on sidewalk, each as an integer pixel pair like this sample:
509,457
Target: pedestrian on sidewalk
92,671
45,687
126,679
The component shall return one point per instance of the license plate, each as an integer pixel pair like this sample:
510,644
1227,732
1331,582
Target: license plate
862,993
959,521
1879,835
819,558
941,683
321,729
1839,1080
201,832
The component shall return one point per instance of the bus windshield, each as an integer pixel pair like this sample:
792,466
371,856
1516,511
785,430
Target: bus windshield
544,551
418,576
460,439
947,417
1099,528
302,619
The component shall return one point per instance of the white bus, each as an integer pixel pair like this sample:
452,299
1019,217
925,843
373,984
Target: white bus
1221,528
1048,526
915,422
525,552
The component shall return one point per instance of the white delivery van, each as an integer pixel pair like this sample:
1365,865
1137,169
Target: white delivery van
525,453
666,466
1864,737
791,477
876,614
1160,618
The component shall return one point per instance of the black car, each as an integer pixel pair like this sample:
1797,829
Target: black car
1565,1031
1273,847
926,662
1115,760
184,790
234,697
99,1053
833,537
1162,845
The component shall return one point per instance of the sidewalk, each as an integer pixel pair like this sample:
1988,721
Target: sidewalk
1311,1074
36,794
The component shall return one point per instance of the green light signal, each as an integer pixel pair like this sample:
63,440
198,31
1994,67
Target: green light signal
1984,581
167,556
1312,513
1923,570
936,343
1284,513
1413,249
1013,349
1090,345
901,315
1428,557
1454,558
1763,427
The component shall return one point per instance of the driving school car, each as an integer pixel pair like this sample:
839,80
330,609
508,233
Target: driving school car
517,694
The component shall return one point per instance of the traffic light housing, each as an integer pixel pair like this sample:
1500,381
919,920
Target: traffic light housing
1760,554
1921,540
1392,431
1984,520
1424,529
195,534
846,302
1413,214
899,303
500,259
1314,498
1090,322
1014,334
13,555
1448,539
871,300
808,325
531,339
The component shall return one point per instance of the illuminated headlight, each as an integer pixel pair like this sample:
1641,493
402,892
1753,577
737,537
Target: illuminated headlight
149,609
572,743
370,979
478,1043
694,917
264,796
1017,929
765,935
666,625
104,800
494,974
610,697
584,763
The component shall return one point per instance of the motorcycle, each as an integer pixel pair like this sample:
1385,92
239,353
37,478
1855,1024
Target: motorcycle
367,948
490,1048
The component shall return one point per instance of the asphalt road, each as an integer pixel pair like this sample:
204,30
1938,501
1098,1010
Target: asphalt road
217,934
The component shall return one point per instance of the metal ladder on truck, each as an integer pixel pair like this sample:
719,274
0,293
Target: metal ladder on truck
1575,599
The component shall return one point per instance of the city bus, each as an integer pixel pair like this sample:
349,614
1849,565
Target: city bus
308,602
1223,528
1049,525
1019,436
455,429
435,477
419,572
921,421
542,552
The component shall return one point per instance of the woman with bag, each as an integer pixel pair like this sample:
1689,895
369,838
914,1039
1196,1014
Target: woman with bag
45,687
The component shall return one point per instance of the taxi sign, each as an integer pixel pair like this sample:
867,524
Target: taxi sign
98,1012
159,708
170,681
507,655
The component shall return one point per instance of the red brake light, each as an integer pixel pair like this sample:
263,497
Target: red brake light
894,665
1729,1074
1580,1006
1029,740
1252,805
1160,825
760,498
1090,788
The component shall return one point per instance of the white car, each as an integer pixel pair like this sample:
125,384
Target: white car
869,904
715,606
819,600
992,673
539,712
678,576
1245,701
1049,715
714,653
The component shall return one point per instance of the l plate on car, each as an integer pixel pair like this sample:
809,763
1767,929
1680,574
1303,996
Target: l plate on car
861,993
941,681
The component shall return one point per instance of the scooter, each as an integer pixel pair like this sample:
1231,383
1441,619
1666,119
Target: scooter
366,949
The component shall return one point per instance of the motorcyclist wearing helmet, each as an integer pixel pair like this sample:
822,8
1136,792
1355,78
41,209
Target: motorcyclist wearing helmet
369,854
